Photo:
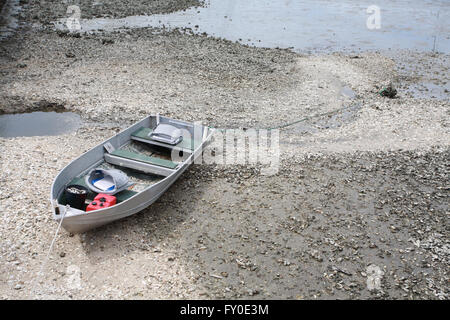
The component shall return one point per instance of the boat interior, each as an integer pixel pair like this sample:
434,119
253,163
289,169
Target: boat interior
144,159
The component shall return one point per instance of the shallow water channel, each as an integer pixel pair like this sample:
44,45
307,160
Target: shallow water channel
306,24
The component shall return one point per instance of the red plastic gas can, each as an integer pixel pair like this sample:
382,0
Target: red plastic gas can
102,201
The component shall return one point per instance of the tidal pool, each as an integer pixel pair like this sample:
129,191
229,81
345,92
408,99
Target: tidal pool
38,124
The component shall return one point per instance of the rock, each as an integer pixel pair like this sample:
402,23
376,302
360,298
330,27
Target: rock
107,41
389,92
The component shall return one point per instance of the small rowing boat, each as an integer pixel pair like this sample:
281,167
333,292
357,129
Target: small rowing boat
143,161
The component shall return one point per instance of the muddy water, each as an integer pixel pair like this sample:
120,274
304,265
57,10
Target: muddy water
38,124
308,24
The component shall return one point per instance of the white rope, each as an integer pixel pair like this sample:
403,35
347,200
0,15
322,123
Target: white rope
49,249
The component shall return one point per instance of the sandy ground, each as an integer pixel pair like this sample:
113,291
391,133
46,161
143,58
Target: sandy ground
365,188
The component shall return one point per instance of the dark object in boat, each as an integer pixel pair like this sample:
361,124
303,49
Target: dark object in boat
76,196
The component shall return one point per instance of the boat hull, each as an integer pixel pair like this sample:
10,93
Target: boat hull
77,221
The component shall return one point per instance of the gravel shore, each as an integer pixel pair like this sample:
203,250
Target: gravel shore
366,187
42,12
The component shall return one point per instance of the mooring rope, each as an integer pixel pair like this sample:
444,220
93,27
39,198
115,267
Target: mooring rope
44,263
282,126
